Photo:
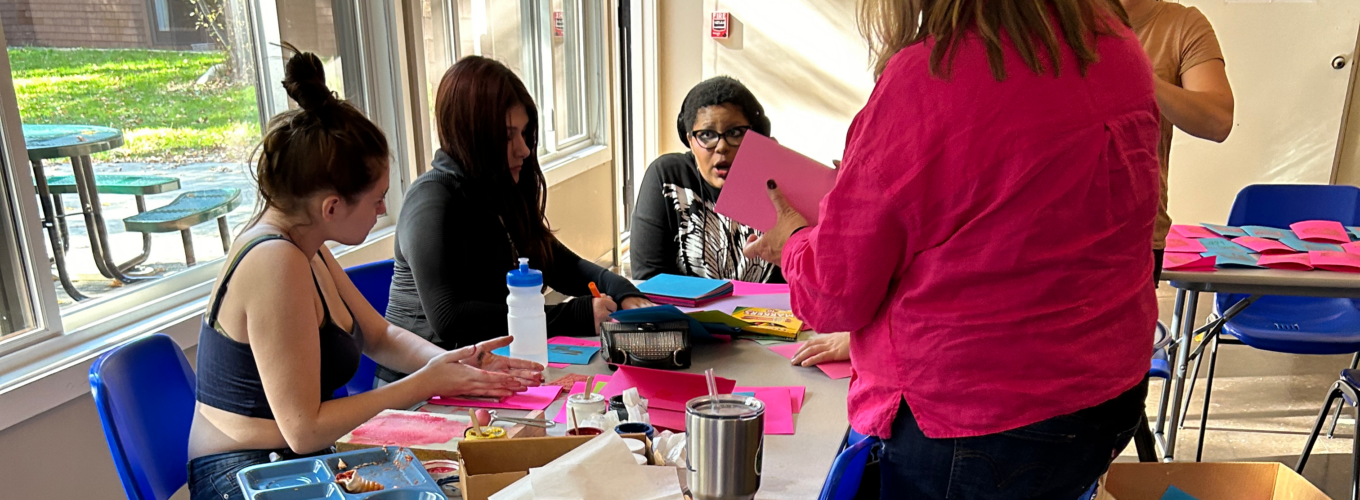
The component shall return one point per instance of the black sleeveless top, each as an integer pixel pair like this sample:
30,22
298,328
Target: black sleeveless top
228,378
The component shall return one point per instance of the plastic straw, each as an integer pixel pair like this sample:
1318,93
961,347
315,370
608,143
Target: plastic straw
712,385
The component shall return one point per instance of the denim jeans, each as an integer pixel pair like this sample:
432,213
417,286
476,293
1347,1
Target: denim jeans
213,477
1055,459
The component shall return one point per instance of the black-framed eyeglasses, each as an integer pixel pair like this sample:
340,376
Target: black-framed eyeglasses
708,139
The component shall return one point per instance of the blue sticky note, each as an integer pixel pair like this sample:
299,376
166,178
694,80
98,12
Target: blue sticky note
746,394
1174,493
685,287
1219,246
1307,246
1355,232
1237,259
1225,230
661,313
1268,232
562,353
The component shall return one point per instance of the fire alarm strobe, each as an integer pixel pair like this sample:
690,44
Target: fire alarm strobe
721,28
559,24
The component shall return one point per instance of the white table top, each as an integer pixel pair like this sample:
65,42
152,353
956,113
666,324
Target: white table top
794,466
1268,282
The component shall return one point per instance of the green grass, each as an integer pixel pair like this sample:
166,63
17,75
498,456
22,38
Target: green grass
148,94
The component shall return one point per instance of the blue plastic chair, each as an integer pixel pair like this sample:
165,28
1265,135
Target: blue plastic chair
1292,325
144,392
373,280
842,483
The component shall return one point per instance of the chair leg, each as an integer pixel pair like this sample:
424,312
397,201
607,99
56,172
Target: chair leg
1208,391
1144,442
1355,456
1337,417
1190,386
1332,395
188,238
225,234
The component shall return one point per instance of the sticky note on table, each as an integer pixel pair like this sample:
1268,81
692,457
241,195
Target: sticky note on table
748,288
1320,231
536,398
803,181
1307,246
1184,245
1273,233
834,369
1192,231
1335,261
1226,230
1354,230
1218,246
1235,259
1352,247
1263,245
1287,261
566,354
1187,262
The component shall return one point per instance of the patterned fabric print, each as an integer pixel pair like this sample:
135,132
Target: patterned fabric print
711,243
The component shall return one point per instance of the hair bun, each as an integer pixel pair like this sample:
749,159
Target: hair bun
305,80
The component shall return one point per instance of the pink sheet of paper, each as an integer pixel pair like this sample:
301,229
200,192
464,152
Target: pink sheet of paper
667,419
1287,261
574,341
1352,247
1184,245
747,288
1193,231
803,181
579,388
1341,262
729,304
1263,246
536,398
666,390
835,369
796,394
1187,262
778,410
1321,231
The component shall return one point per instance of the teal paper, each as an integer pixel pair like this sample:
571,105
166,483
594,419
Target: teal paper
1174,493
684,287
562,353
1225,230
1307,246
1268,232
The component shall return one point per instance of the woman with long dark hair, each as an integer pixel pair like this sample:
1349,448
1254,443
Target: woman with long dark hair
987,244
275,346
468,220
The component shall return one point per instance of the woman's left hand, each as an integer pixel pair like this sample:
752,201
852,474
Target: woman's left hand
636,302
527,372
770,246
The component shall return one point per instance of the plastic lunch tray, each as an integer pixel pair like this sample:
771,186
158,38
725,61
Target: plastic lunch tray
397,469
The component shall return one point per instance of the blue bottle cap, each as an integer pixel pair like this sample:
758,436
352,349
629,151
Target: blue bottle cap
524,277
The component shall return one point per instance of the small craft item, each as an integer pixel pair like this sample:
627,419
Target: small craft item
352,482
492,417
441,469
480,431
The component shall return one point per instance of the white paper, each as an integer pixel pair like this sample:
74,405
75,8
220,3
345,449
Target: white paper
593,482
607,450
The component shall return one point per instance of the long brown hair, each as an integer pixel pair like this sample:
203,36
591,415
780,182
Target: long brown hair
323,145
891,25
471,105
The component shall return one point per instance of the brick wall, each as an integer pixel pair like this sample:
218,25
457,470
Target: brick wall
76,23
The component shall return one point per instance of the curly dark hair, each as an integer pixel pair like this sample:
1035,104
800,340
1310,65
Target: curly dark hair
717,91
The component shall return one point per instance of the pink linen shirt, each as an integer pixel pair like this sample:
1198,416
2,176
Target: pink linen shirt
986,242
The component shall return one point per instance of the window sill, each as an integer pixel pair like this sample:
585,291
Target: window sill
56,371
574,164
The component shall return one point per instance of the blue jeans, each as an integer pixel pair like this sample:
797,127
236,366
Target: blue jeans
213,477
1056,459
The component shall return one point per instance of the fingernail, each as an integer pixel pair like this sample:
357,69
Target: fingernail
770,184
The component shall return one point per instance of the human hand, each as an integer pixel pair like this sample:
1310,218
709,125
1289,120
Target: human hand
446,375
770,246
526,372
604,306
636,302
823,348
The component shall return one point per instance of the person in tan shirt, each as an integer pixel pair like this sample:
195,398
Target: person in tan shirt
1192,83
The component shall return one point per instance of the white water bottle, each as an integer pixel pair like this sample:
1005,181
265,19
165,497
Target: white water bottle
528,322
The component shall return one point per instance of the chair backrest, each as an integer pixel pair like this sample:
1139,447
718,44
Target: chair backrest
373,280
842,483
1279,205
144,392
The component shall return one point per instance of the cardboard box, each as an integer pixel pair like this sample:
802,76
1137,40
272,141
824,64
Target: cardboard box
437,451
1210,481
489,466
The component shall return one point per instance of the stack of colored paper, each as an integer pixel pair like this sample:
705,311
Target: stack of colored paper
685,291
1188,262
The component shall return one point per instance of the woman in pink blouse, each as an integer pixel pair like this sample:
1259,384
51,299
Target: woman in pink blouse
986,243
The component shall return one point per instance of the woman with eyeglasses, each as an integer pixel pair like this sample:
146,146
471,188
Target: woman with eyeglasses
675,229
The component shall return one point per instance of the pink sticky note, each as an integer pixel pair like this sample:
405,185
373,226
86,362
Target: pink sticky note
835,369
1287,261
748,288
1187,262
796,394
1352,247
536,398
663,389
574,341
1262,245
1321,231
580,388
803,181
1193,231
1335,261
558,365
1184,245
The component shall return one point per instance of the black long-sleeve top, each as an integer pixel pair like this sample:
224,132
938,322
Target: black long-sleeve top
675,229
452,253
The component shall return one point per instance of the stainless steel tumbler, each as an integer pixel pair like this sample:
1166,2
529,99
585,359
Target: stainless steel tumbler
725,438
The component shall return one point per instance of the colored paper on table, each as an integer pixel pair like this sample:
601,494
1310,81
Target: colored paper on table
1226,230
1174,493
1307,246
1341,262
778,410
579,388
802,180
1262,245
684,290
588,342
1191,232
666,419
1320,231
1287,261
1235,259
657,314
1273,233
536,398
1352,247
565,354
1184,245
666,390
730,304
796,394
748,288
1218,246
1354,230
1187,262
834,369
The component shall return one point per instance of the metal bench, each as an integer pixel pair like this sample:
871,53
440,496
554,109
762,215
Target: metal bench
188,210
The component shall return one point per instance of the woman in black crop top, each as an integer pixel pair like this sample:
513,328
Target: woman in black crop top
285,327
